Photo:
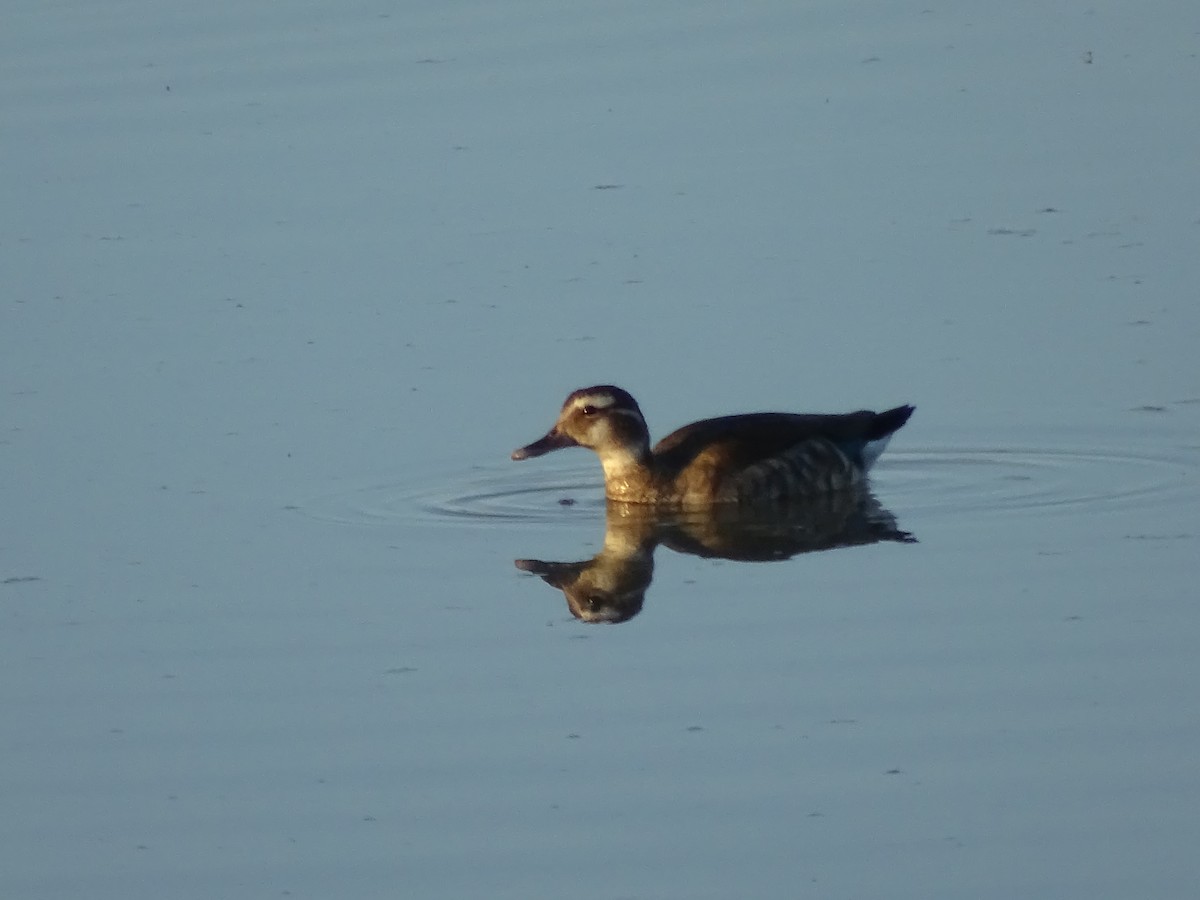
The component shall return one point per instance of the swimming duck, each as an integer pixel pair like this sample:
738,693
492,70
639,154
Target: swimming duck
732,459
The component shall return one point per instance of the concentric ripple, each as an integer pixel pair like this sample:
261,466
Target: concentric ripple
507,494
945,481
976,480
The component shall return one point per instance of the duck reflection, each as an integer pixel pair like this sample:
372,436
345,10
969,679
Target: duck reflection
611,586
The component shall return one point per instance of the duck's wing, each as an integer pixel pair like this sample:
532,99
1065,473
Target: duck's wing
737,442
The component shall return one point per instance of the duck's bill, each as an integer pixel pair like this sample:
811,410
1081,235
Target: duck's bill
554,573
552,441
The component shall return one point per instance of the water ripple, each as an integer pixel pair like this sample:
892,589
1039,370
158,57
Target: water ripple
947,481
979,480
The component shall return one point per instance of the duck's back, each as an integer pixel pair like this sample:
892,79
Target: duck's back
775,455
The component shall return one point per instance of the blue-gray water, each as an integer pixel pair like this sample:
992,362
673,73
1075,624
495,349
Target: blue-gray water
285,285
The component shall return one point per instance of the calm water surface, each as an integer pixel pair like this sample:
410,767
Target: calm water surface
1007,685
284,287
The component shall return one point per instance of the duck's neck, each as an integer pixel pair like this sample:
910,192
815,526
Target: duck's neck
628,472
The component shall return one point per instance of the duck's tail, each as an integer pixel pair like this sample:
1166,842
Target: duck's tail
881,430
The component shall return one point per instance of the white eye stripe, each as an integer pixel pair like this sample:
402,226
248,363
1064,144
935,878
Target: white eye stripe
599,401
589,404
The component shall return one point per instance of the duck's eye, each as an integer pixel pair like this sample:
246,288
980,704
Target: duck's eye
589,410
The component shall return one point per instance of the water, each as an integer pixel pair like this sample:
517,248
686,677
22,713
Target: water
286,286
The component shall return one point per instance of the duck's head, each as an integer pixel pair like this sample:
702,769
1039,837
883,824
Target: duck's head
602,418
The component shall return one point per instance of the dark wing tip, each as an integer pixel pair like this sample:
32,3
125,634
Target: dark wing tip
889,421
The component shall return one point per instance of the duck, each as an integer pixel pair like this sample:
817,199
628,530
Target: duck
738,459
